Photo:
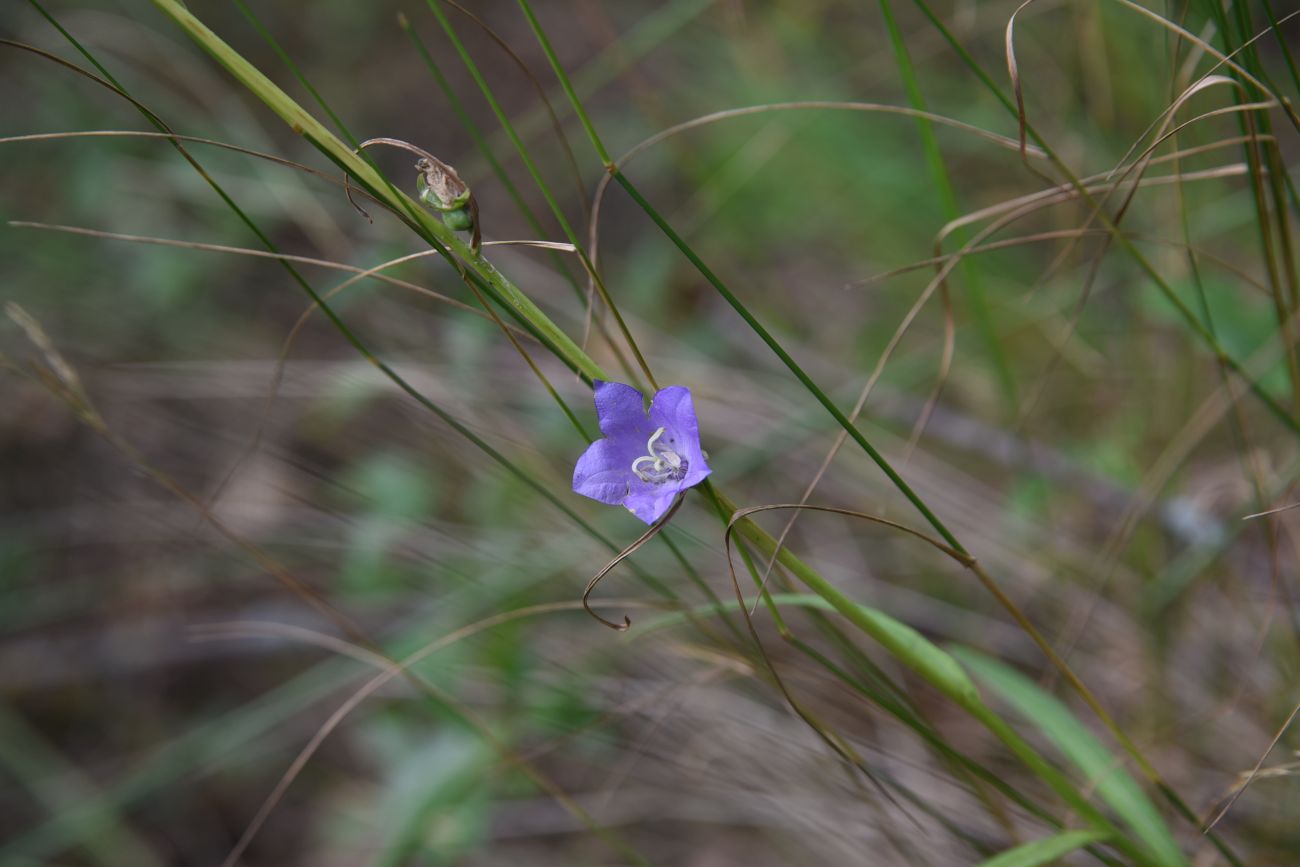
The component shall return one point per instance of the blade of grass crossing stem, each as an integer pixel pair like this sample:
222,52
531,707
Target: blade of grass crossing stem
565,83
657,27
422,222
489,278
1103,771
1046,850
266,241
726,293
342,326
889,697
948,201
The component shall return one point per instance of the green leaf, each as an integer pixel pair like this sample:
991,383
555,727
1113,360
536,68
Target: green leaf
1045,850
1104,772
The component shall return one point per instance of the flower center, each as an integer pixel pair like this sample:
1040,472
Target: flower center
661,464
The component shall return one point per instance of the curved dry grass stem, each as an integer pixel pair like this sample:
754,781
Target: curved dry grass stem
229,630
837,744
1137,168
623,555
1224,59
841,437
261,254
1013,68
175,137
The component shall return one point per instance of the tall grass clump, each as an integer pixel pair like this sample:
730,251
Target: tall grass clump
989,318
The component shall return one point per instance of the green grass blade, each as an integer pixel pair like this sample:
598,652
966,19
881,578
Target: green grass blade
1102,770
1046,850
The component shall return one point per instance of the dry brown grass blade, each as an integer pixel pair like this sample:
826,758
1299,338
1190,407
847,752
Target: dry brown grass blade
192,139
623,555
1268,512
841,437
1137,169
1224,59
1017,90
1240,788
245,251
1013,68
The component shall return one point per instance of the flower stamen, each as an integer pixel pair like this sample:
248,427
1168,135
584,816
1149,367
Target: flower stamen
664,464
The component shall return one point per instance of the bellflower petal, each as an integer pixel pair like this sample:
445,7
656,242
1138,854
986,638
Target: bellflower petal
645,460
602,471
621,411
650,507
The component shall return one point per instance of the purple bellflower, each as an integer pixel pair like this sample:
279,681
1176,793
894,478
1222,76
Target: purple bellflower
645,460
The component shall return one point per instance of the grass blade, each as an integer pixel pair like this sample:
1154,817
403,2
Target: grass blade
1102,770
1045,850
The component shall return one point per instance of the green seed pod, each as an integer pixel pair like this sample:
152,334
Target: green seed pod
459,220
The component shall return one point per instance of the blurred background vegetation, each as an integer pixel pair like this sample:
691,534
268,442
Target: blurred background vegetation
1048,402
